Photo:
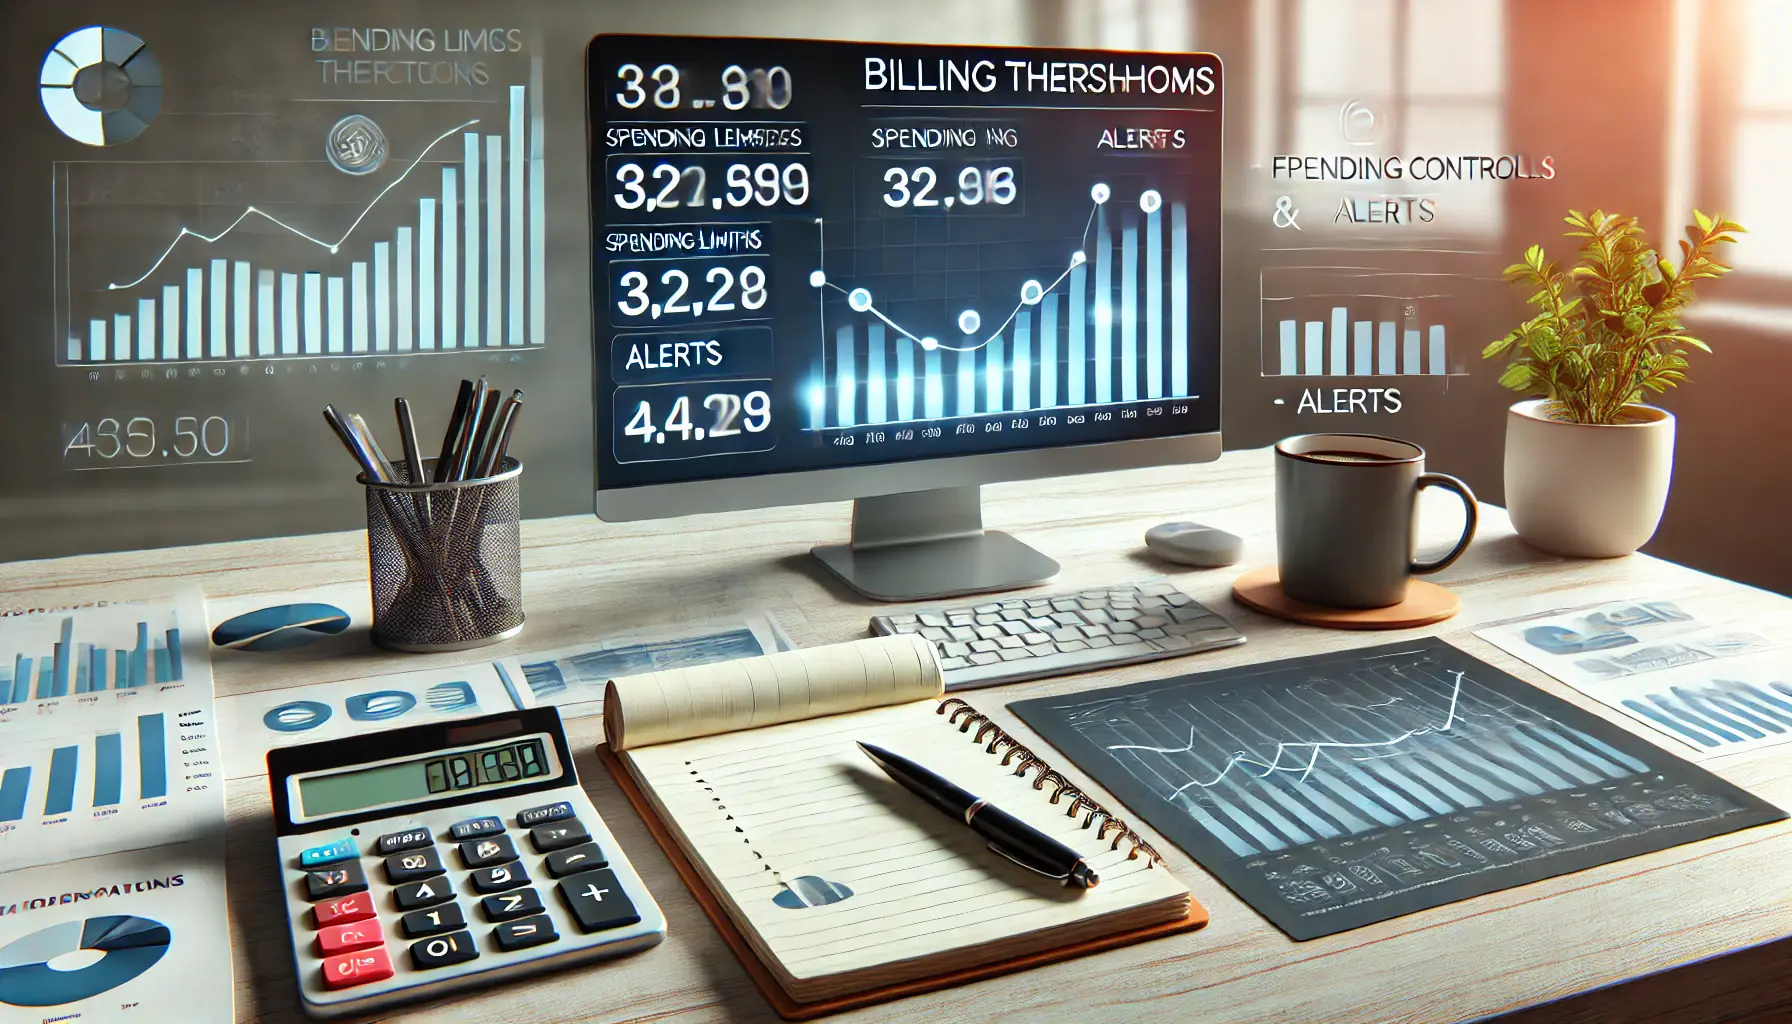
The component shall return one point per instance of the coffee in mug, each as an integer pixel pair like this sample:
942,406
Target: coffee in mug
1347,518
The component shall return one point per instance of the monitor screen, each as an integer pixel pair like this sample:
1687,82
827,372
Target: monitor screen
820,254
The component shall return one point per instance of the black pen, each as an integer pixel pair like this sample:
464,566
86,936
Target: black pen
407,436
446,461
1007,835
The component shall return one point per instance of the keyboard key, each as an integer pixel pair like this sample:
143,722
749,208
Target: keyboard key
596,899
1068,619
483,853
1065,634
443,951
1016,628
426,893
358,907
900,619
579,858
1032,639
329,883
359,968
910,626
985,658
1123,627
1016,653
530,931
954,650
1042,624
931,619
1150,621
408,867
987,609
947,664
1173,643
398,842
473,828
1094,631
1150,634
341,849
934,633
534,816
1100,641
1072,645
1009,643
500,878
1098,615
424,923
558,836
988,619
982,646
508,906
1128,640
990,633
962,634
346,938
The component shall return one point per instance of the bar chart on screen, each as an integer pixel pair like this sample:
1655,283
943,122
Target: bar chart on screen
442,249
1368,322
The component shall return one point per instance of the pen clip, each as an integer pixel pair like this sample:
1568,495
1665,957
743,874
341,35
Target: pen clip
993,848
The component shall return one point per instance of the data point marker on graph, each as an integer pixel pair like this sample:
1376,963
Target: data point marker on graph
1150,201
1078,258
817,279
969,321
1099,193
859,299
1031,293
930,343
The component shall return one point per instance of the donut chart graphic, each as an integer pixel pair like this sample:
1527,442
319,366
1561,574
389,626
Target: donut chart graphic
129,946
100,86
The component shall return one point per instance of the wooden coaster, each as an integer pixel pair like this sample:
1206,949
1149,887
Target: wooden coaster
1425,603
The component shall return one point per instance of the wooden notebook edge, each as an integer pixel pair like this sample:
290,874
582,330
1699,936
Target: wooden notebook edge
790,1009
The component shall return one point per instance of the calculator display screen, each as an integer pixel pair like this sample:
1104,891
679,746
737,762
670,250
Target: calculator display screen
424,777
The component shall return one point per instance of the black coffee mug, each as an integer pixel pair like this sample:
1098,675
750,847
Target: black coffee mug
1347,518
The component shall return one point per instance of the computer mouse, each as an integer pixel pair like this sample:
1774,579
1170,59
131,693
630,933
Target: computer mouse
1194,544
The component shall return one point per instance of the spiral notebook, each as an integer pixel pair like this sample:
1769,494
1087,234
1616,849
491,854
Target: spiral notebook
837,887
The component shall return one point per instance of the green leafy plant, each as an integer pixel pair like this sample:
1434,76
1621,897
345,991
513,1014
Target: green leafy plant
1608,329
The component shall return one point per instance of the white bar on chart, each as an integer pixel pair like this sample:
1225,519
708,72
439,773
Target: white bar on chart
426,276
1315,348
470,190
171,321
289,314
96,341
933,391
1289,346
1384,343
382,296
494,239
335,313
195,312
1437,349
357,306
450,253
1104,308
239,293
121,337
995,367
876,387
965,399
1340,342
1023,361
405,296
1411,363
220,305
146,329
538,220
264,312
844,384
1154,304
905,379
1179,385
74,347
1365,347
314,314
1075,364
514,220
1048,352
1129,312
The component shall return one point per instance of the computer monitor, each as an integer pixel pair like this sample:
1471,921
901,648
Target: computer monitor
894,273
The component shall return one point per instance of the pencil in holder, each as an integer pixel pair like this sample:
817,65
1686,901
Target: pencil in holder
445,560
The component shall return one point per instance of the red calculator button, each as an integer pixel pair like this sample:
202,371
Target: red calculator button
351,969
342,938
358,907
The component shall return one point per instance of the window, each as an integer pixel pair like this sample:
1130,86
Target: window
1759,198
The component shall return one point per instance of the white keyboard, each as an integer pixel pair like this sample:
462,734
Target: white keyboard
1020,638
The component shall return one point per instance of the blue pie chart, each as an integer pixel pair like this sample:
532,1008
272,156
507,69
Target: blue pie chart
128,946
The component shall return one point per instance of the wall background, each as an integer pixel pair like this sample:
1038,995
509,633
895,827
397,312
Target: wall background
1644,106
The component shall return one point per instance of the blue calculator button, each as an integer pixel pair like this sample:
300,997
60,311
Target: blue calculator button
475,827
545,813
341,849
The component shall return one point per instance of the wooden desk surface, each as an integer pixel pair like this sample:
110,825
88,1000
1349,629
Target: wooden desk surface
1547,941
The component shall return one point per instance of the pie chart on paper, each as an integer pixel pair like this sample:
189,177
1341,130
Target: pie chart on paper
77,960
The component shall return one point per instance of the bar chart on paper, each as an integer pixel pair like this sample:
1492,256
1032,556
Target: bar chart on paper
442,249
1364,322
69,665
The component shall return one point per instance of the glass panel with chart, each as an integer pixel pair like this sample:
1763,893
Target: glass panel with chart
814,254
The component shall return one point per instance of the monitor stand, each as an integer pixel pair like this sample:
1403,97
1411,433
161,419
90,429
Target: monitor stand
927,544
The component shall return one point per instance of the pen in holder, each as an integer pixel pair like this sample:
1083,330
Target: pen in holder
445,559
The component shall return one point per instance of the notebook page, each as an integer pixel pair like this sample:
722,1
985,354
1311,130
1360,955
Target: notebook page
762,808
658,707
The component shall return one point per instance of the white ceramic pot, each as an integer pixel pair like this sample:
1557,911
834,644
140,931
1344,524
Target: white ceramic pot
1587,490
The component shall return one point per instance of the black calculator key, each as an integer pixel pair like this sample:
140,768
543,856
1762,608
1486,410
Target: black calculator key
500,878
508,906
597,900
483,853
443,951
336,880
530,931
580,858
421,923
558,836
408,867
398,842
472,828
532,816
426,893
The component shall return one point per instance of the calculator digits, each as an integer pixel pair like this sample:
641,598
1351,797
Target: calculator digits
442,857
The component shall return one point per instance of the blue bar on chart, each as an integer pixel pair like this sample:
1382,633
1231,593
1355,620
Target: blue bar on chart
876,387
933,391
1340,342
1154,305
121,669
1104,308
239,279
264,313
83,661
538,246
1179,383
470,235
1315,348
174,656
1412,353
905,380
966,392
96,340
121,336
1048,352
404,296
152,757
494,237
289,314
382,296
1385,346
146,329
426,276
140,656
1365,348
1075,378
171,321
13,787
1437,349
995,366
845,383
195,312
1023,360
60,797
514,334
220,299
314,314
100,660
108,768
1289,345
357,306
450,256
1129,311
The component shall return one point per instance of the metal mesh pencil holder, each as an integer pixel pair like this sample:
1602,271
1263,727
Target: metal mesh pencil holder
445,560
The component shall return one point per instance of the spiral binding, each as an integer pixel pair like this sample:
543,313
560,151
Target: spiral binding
953,708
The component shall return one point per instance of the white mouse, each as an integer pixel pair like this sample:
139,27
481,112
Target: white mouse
1194,544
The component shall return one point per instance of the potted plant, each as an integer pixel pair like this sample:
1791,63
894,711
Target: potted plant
1587,460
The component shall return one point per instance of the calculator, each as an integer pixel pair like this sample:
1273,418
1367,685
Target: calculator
442,857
